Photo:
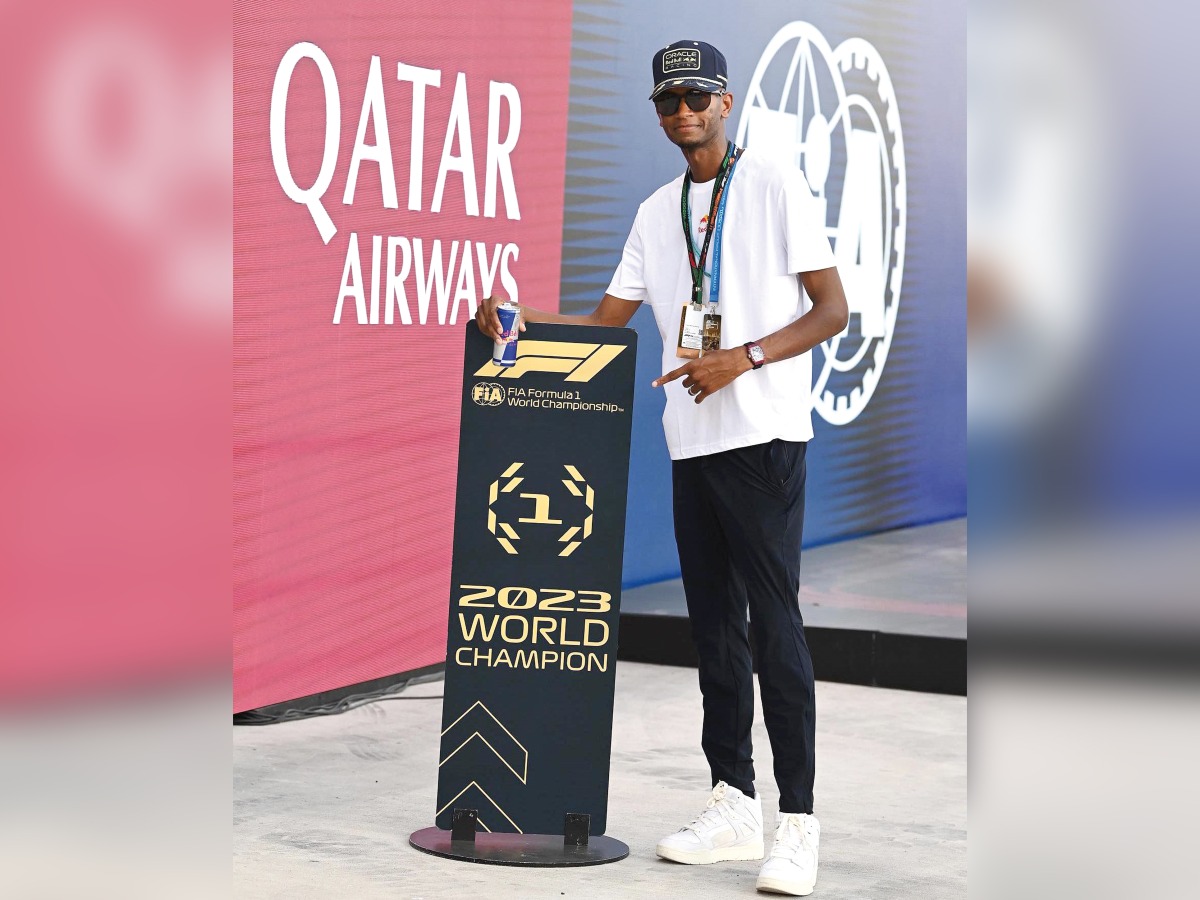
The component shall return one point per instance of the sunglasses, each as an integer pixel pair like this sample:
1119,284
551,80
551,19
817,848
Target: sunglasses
697,101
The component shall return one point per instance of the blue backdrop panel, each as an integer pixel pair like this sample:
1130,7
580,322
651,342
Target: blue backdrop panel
900,459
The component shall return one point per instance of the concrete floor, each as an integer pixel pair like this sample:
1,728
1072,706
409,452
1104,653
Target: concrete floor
323,808
906,581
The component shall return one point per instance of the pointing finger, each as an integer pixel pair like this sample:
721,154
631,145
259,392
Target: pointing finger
669,377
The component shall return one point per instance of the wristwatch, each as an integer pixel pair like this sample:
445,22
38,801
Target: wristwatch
755,352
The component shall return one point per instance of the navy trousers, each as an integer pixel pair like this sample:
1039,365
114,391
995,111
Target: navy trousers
739,519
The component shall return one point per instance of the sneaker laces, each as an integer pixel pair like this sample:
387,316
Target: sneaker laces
790,837
711,812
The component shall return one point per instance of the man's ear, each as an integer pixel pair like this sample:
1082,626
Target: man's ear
726,105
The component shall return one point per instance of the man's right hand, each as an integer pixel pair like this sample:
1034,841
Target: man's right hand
487,319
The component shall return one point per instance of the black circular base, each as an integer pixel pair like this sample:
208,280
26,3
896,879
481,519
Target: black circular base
546,850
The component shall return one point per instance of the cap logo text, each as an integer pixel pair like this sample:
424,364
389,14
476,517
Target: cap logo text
684,58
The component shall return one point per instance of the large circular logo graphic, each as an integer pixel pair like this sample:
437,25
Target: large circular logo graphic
833,113
539,510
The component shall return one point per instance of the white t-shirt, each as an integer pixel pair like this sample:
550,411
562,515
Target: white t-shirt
773,230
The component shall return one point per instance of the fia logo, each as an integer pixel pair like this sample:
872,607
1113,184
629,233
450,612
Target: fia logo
488,393
833,113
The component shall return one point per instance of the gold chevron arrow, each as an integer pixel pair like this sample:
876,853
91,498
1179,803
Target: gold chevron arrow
475,784
482,720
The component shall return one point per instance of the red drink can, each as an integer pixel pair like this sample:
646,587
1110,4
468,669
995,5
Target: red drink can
504,353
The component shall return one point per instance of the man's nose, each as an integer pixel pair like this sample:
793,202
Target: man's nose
684,109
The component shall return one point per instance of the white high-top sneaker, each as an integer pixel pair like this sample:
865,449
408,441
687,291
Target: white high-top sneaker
792,866
731,827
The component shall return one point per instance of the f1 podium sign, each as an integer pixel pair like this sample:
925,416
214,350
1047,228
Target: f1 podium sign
531,653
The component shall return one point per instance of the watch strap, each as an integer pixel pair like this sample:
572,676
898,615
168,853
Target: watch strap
756,361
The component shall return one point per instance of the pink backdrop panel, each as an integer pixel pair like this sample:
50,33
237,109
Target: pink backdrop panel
346,432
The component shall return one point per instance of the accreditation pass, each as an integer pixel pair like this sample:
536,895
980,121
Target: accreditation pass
691,332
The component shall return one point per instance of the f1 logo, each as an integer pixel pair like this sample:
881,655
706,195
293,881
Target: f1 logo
579,362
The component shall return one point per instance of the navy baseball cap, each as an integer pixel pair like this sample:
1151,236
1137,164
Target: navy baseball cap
691,64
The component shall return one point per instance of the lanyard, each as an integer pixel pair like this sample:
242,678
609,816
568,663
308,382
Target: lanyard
716,218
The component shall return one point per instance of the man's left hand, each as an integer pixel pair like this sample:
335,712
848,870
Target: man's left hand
708,374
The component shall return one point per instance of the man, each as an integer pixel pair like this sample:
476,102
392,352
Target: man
726,294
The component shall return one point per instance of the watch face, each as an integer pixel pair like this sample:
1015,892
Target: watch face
756,354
